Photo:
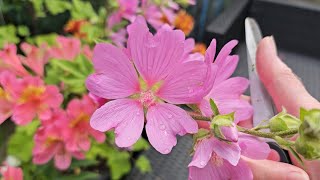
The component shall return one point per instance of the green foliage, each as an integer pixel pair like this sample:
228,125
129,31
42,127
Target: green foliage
214,107
83,10
57,6
143,164
72,73
23,31
8,34
49,39
21,142
141,145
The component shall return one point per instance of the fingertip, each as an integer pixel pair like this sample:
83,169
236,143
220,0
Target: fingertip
273,156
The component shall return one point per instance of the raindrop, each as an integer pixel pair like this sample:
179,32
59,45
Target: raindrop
162,127
170,116
190,90
202,163
138,113
167,150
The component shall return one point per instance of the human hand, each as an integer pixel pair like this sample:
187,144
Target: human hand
286,91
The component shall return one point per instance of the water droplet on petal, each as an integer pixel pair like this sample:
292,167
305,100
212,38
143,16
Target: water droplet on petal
138,113
170,116
167,150
190,90
202,163
162,127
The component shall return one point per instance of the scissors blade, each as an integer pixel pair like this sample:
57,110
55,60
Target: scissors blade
260,99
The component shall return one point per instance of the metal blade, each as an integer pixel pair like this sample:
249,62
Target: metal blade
260,99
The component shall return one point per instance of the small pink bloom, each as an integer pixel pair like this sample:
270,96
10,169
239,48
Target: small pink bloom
226,91
79,112
87,52
10,61
50,143
119,37
188,51
215,159
35,58
67,48
98,100
163,77
11,173
31,97
7,80
127,10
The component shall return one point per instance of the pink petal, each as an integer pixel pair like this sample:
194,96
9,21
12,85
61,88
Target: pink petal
209,172
12,173
62,161
228,151
125,115
78,155
23,114
52,96
227,68
240,172
116,76
242,108
42,156
202,154
188,83
205,108
164,122
253,147
230,133
189,45
225,52
98,136
154,56
229,89
211,51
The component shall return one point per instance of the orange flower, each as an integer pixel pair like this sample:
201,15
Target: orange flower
74,27
184,22
200,48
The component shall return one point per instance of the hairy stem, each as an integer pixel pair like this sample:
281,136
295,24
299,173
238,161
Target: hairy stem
268,134
199,117
257,128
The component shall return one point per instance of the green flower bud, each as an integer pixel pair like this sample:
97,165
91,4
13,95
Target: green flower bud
309,148
283,121
224,128
311,123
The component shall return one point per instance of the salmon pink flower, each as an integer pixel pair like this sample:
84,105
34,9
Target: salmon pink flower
86,50
79,112
146,81
35,58
31,97
226,91
6,105
11,173
67,48
215,159
10,61
119,37
49,143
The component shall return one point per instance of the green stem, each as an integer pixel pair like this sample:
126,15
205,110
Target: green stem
257,128
268,134
199,117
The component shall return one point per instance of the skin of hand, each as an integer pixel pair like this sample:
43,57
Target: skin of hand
286,91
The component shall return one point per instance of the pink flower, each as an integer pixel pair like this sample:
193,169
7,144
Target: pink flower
31,97
119,37
98,100
162,77
127,10
67,48
226,91
215,159
49,143
79,112
35,58
87,52
10,61
6,105
11,173
188,51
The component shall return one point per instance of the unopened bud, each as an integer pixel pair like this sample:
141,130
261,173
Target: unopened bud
284,121
224,128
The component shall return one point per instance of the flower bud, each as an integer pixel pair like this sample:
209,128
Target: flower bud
311,123
224,128
309,148
283,121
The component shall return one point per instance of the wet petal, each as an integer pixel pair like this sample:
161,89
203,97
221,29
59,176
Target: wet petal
125,115
202,153
228,151
164,122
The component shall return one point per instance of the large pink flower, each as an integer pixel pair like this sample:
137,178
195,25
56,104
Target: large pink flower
36,57
215,159
226,91
79,112
67,48
31,97
50,143
10,61
162,77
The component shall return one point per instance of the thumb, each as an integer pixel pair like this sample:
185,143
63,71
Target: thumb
266,169
281,83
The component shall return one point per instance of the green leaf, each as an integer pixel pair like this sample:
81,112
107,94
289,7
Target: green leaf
143,164
141,145
38,7
295,154
23,31
8,35
83,163
68,66
57,6
85,175
214,107
83,10
223,120
119,164
49,39
21,142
